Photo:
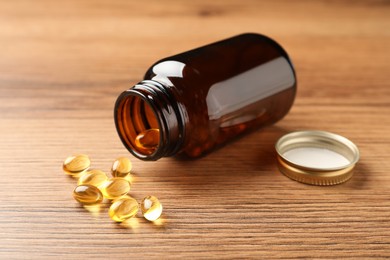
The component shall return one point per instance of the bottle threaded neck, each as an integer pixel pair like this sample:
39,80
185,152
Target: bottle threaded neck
149,105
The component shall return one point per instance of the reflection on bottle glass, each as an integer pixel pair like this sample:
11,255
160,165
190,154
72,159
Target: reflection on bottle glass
205,97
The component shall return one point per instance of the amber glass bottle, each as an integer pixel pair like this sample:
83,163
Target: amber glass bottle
191,102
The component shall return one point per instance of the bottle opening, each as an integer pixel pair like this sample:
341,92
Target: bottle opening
137,125
149,121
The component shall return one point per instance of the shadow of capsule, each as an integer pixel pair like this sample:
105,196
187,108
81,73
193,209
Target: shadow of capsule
132,223
97,209
94,209
159,224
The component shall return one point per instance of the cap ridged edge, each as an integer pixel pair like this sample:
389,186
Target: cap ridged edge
316,176
297,175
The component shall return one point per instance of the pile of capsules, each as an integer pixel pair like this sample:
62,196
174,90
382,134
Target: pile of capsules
94,185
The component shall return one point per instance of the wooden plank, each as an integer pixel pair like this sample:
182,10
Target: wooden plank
64,63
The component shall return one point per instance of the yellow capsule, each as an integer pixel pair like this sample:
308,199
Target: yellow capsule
93,177
151,208
75,165
87,194
121,167
115,188
148,139
123,208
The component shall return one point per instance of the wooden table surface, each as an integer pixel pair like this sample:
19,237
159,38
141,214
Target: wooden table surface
62,66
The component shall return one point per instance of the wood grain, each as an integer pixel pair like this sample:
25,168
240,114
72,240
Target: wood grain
62,65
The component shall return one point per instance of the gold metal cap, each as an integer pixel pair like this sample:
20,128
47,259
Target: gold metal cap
316,157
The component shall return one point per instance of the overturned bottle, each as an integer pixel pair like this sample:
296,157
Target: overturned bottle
194,101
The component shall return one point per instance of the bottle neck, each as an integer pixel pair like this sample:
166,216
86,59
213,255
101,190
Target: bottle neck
149,105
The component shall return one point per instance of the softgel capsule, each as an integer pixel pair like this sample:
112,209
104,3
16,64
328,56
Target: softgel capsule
93,177
94,185
121,167
75,165
87,195
115,188
123,209
151,208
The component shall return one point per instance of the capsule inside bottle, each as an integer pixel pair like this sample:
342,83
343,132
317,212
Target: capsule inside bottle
142,131
205,97
148,139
